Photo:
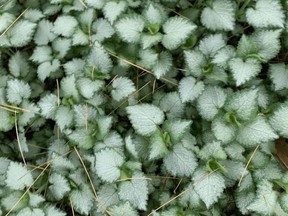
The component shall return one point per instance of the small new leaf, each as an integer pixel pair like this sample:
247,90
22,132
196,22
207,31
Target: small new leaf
61,47
26,117
148,40
147,58
104,125
80,38
246,47
82,113
75,66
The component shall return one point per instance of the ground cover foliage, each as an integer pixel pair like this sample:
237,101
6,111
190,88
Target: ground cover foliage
129,107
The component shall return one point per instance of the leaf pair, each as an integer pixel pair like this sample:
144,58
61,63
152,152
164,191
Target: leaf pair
175,31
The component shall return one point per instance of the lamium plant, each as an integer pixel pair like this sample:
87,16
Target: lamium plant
149,108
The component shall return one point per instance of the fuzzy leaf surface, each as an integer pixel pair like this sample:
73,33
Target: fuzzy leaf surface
243,71
180,162
17,90
113,9
208,186
177,30
266,13
82,199
243,104
190,89
210,101
211,44
279,75
122,87
171,104
279,120
130,28
65,25
266,199
108,163
18,177
145,118
59,186
135,191
20,34
255,132
219,16
123,209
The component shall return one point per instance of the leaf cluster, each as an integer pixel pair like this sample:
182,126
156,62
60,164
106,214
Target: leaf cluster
130,107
